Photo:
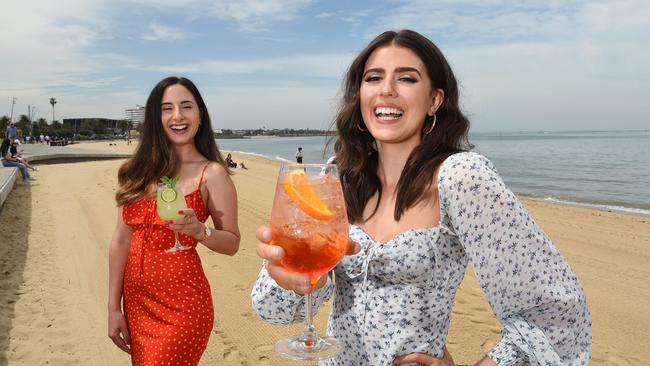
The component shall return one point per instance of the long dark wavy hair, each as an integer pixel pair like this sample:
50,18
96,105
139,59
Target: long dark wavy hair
356,155
154,158
6,145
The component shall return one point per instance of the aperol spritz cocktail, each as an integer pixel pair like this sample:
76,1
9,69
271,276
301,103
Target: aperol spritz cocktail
170,200
309,221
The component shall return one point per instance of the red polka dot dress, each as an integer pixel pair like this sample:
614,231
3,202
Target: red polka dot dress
167,297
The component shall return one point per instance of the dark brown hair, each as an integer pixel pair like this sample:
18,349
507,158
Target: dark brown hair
356,155
153,157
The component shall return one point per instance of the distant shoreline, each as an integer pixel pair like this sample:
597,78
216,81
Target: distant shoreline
230,137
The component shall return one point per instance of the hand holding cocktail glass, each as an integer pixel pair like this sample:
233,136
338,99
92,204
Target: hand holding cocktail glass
308,236
170,202
273,254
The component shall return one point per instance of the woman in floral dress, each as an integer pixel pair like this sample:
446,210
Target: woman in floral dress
420,208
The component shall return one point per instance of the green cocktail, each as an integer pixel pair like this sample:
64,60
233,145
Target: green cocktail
169,201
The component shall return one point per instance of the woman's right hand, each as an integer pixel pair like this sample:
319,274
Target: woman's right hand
118,330
296,282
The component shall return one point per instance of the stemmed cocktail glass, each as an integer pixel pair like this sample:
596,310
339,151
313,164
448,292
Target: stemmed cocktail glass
309,222
170,201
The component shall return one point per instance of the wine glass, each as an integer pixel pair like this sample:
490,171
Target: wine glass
309,221
169,201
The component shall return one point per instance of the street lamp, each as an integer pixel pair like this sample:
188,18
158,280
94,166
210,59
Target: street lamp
13,102
53,102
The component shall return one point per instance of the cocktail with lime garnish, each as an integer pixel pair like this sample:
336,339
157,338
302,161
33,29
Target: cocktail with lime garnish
169,201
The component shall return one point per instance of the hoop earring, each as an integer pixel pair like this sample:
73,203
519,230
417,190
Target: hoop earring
428,130
361,129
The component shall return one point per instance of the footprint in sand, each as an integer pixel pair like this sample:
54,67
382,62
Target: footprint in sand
232,355
263,361
262,351
240,287
613,358
263,348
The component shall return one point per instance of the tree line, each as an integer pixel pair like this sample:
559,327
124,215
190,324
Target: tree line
86,129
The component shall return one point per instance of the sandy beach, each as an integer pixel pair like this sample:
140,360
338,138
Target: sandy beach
54,274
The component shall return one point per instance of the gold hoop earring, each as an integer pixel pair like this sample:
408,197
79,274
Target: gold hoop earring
361,129
428,131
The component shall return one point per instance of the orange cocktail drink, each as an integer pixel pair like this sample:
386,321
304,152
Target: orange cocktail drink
309,221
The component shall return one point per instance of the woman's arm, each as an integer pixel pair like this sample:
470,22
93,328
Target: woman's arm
529,285
222,205
117,254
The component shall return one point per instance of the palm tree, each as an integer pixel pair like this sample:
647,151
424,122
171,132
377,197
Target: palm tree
53,102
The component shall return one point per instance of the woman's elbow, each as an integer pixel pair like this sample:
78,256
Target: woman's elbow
233,247
232,250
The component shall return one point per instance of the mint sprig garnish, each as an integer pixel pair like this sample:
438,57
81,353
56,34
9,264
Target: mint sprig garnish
169,182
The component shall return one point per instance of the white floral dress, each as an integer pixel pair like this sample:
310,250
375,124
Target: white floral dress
395,298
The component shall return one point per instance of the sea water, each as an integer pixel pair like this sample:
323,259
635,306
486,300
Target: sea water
601,169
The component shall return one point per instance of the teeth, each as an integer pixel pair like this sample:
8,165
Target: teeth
178,127
388,112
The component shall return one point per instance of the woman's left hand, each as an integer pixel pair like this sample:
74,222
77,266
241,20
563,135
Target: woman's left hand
426,360
188,225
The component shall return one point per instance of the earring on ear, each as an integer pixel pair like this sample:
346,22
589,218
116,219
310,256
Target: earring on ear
428,130
361,129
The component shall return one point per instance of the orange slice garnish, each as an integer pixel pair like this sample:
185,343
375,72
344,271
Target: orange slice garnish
302,194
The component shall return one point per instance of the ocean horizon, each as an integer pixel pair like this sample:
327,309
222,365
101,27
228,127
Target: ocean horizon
607,170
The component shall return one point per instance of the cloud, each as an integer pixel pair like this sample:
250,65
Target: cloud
274,106
325,15
157,32
546,64
292,67
256,15
252,16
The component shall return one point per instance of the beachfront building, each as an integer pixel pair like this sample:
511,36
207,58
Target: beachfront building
135,116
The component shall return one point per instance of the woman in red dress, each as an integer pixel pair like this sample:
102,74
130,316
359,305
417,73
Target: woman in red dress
159,305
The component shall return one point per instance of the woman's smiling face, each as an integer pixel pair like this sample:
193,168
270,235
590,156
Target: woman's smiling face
180,115
396,95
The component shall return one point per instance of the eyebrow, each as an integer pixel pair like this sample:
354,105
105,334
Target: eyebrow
399,69
170,103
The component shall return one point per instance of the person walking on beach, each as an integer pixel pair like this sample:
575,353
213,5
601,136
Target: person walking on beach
299,155
12,132
421,206
168,314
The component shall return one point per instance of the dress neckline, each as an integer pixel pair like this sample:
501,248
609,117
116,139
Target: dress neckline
398,235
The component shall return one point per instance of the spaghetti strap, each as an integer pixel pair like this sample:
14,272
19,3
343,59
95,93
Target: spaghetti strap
202,172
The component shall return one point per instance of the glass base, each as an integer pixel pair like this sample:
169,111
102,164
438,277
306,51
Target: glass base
296,348
177,248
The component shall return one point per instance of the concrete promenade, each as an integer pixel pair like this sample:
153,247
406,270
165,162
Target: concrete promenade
43,154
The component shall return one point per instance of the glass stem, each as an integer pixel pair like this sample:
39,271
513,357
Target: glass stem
309,337
177,243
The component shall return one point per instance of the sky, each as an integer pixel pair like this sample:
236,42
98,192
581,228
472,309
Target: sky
530,65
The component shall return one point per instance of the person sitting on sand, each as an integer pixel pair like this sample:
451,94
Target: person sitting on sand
232,164
8,161
17,154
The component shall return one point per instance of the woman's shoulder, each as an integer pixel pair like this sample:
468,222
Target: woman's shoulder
214,171
464,164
